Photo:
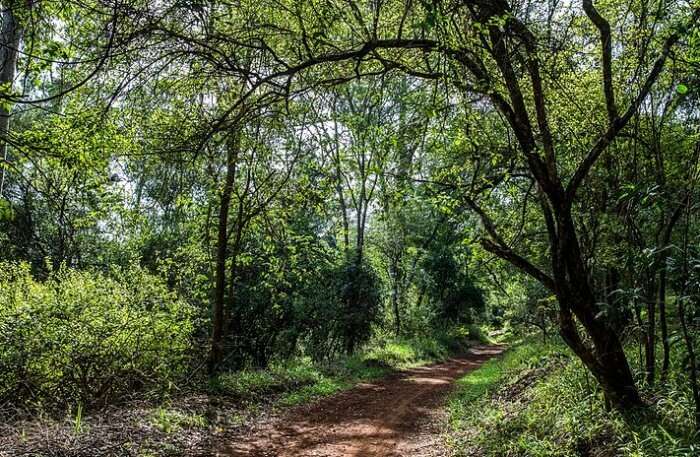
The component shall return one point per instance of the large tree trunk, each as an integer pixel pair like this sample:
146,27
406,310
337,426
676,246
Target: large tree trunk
602,352
604,356
512,42
605,360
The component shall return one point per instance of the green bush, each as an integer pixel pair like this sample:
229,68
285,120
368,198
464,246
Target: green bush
342,310
258,384
88,338
455,297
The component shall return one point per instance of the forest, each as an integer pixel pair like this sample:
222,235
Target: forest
350,228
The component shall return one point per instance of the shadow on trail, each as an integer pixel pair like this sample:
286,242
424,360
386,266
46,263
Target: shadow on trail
394,416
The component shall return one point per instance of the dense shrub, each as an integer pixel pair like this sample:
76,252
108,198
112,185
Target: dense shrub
360,304
454,296
84,337
273,295
294,298
341,309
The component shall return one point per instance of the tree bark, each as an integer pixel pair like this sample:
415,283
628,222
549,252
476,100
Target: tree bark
395,299
605,357
650,343
10,41
663,322
218,316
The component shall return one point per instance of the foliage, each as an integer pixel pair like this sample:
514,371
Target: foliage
360,303
83,338
457,300
343,310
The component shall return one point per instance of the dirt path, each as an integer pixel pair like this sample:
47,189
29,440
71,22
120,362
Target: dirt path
398,416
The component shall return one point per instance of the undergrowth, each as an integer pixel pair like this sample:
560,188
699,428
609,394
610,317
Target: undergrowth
538,400
187,424
301,380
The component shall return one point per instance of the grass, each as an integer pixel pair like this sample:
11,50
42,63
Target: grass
492,375
323,388
539,401
171,420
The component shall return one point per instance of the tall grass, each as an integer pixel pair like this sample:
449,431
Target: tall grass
540,401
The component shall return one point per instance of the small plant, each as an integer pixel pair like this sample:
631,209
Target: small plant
165,420
78,420
171,420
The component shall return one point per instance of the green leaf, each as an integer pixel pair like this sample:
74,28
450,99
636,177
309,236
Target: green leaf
682,89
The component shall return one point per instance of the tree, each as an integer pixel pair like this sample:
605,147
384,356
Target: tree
489,49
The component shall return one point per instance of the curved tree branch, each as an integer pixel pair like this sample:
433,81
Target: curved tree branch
606,47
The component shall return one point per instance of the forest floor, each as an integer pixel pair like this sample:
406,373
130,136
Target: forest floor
387,402
400,415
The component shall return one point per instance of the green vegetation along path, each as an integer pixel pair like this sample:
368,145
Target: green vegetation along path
396,416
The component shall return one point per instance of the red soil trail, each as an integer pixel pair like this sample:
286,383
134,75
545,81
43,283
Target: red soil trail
398,416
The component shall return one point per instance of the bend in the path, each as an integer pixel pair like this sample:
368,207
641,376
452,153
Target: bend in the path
395,416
